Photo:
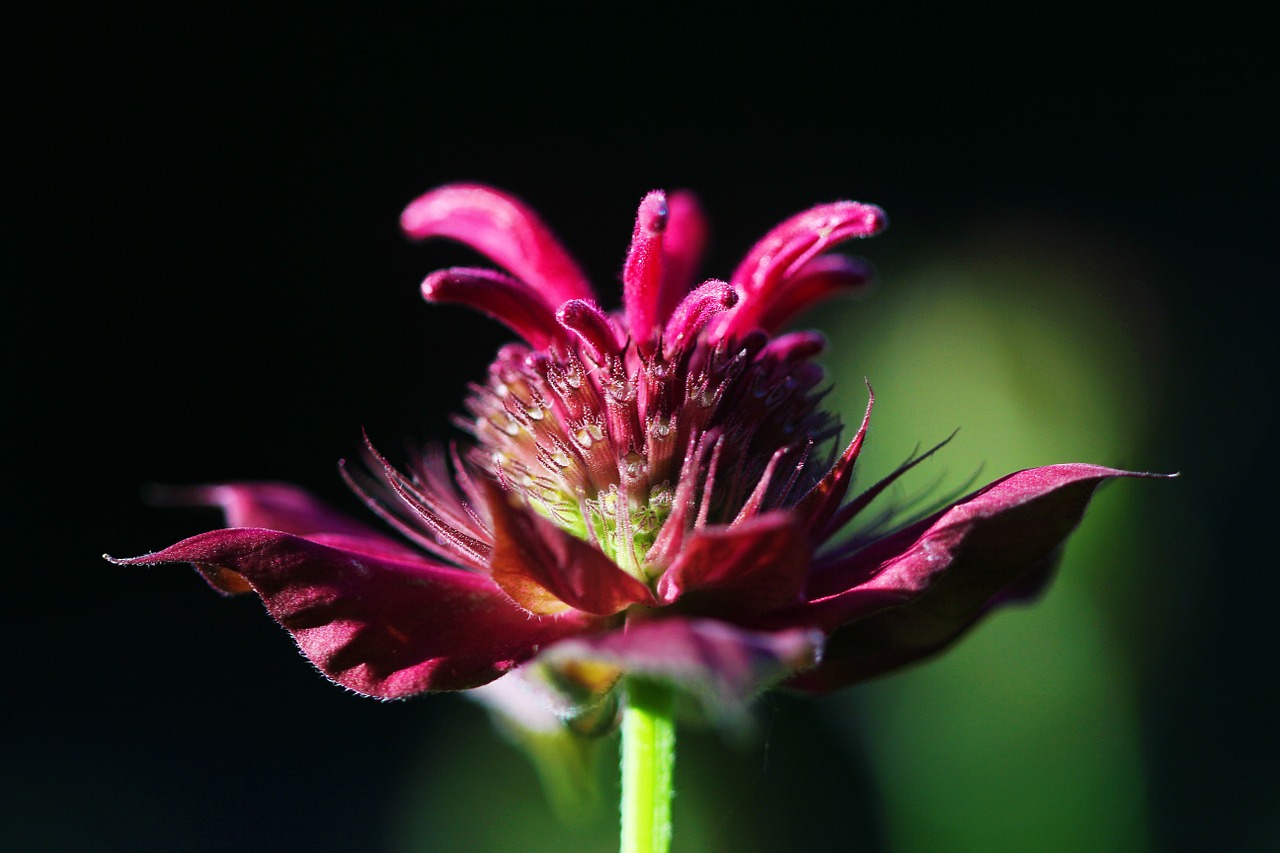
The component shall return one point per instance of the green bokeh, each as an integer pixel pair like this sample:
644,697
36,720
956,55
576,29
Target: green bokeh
1025,735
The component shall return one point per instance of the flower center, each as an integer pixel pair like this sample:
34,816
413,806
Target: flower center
612,448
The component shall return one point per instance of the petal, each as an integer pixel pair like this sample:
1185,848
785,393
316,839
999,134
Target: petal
720,665
591,326
548,571
682,246
284,507
911,593
698,308
787,249
818,280
502,228
747,568
795,346
642,278
379,625
512,303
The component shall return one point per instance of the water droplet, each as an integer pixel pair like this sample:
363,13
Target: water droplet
659,428
634,466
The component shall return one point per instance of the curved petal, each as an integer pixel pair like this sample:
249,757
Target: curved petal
820,279
746,568
787,249
505,299
911,593
548,571
591,326
381,626
699,307
502,228
720,665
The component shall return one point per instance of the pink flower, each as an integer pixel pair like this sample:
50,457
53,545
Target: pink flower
651,491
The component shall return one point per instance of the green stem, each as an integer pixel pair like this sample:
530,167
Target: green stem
648,757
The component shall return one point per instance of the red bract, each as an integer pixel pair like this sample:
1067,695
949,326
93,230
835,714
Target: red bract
652,491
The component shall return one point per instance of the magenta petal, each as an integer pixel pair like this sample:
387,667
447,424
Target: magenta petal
746,568
721,665
787,249
911,593
503,228
682,246
711,298
642,274
591,325
548,571
796,346
512,303
818,280
381,626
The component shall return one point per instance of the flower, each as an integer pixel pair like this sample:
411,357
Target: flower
652,491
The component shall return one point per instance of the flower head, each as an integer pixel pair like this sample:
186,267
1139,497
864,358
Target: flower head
653,491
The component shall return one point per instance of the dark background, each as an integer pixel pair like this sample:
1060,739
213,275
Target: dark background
209,285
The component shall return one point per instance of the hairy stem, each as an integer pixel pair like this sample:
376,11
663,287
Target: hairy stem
648,758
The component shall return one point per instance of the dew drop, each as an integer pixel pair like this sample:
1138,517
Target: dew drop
634,466
659,428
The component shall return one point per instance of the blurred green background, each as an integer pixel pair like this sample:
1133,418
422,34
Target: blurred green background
208,284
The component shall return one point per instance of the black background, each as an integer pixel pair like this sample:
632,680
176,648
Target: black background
208,284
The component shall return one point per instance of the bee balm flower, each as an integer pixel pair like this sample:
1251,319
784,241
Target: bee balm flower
653,491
